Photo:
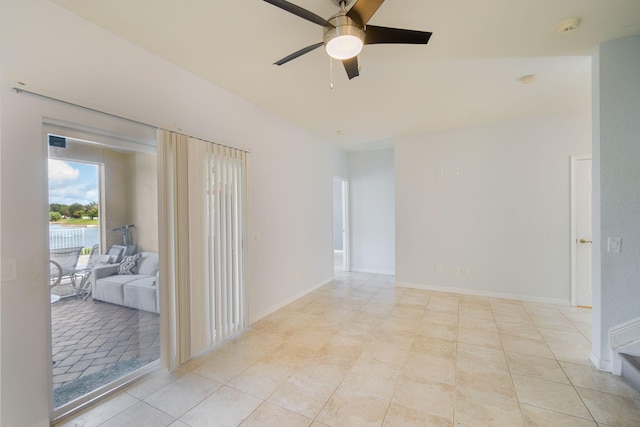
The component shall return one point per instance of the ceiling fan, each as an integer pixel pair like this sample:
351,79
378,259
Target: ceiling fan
346,32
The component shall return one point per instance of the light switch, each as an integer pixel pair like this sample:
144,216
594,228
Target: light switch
614,244
9,269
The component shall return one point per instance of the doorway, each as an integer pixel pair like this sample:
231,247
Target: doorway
340,225
581,230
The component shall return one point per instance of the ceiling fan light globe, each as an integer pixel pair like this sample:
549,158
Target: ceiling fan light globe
344,47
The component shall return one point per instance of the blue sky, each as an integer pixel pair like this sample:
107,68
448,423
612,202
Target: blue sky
72,182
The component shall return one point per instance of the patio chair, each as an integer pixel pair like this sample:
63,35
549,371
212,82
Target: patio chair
55,277
83,273
67,258
117,252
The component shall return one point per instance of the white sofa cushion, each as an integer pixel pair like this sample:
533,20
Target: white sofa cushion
123,279
110,290
148,263
141,294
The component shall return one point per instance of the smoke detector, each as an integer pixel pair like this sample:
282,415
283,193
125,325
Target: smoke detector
568,25
528,79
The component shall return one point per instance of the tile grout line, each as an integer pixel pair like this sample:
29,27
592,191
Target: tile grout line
522,417
559,364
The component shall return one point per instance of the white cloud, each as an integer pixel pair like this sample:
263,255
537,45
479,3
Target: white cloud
69,184
62,171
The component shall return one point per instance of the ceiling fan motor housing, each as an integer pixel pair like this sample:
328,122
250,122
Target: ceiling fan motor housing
344,26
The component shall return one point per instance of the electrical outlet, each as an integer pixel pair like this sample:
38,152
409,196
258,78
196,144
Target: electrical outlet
439,173
455,270
439,268
466,272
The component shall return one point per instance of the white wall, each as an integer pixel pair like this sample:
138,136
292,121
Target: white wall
49,48
500,209
143,200
372,211
617,148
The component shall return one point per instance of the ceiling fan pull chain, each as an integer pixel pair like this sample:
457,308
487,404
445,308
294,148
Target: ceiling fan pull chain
330,73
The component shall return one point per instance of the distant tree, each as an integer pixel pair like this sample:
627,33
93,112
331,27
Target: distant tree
55,216
76,210
92,209
65,211
55,207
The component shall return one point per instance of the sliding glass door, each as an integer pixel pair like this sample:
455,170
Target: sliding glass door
103,247
167,262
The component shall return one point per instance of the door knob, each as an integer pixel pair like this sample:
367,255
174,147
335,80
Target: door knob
585,241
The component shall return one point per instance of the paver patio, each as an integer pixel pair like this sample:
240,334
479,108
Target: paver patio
90,336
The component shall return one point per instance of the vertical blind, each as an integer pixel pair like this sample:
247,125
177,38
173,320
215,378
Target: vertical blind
203,191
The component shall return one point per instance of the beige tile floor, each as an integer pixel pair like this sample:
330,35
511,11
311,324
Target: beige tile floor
361,352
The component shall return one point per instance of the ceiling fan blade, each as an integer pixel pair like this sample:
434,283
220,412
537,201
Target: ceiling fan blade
301,12
377,35
363,10
351,67
301,52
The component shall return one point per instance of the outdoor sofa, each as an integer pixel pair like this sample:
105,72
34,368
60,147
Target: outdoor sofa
136,288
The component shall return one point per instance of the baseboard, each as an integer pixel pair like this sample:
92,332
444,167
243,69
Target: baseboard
373,271
278,306
624,334
482,293
602,365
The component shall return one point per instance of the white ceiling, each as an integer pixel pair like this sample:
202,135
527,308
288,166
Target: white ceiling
468,73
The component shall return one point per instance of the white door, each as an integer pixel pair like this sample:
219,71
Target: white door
583,189
340,224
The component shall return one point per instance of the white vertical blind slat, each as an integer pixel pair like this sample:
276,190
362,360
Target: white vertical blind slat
218,247
223,243
238,240
228,240
183,271
223,247
165,239
199,177
211,233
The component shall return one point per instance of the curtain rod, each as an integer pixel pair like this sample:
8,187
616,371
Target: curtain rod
21,87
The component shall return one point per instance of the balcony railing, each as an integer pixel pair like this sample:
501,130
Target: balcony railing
70,237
